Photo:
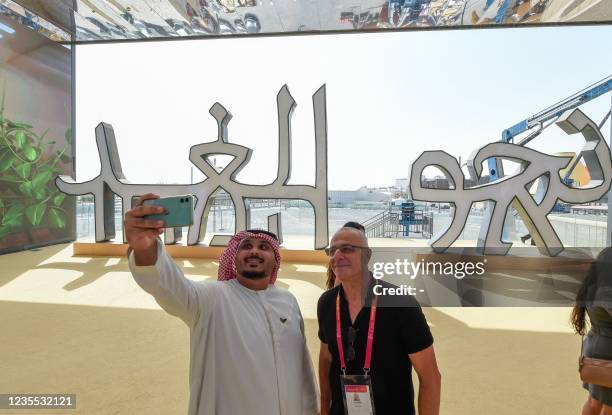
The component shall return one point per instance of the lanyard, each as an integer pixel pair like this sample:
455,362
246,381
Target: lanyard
368,356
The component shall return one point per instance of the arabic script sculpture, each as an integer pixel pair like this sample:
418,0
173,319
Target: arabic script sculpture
111,179
514,189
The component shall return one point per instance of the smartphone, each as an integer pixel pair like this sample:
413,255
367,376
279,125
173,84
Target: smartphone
179,210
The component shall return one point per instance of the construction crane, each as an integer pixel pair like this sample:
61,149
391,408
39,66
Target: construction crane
544,118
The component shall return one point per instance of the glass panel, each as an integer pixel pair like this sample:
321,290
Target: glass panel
35,138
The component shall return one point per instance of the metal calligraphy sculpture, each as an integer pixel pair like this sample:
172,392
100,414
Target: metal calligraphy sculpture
111,179
514,189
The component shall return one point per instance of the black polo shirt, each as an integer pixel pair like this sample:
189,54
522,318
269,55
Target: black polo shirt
401,329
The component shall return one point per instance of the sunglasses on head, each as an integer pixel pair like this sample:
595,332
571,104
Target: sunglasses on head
257,231
352,336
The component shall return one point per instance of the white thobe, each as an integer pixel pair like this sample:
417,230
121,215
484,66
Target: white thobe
248,349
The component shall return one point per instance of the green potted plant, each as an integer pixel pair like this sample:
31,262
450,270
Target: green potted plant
30,204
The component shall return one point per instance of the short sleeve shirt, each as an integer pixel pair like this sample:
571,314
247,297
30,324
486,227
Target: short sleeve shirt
401,329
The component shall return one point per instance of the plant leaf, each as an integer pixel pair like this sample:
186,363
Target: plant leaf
39,182
23,170
16,221
26,188
1,203
30,153
22,125
6,162
57,218
35,213
59,199
14,211
39,194
68,135
20,139
13,216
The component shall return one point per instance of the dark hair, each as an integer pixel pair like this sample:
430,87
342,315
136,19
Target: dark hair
354,225
599,268
331,277
271,234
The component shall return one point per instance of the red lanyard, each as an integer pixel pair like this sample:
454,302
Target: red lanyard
368,356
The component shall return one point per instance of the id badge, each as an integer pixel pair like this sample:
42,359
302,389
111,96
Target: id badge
357,394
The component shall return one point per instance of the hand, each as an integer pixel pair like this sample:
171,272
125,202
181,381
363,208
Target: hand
141,234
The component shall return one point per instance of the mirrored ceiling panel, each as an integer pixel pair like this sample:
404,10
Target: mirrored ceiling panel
138,19
49,18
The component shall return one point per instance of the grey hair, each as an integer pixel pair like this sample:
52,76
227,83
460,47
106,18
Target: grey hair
364,238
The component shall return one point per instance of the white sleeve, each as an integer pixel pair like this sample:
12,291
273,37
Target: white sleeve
175,293
311,401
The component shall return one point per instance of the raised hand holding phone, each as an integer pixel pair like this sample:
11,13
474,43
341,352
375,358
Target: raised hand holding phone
178,210
141,233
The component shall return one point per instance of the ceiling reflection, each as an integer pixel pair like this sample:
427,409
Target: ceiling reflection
139,19
56,27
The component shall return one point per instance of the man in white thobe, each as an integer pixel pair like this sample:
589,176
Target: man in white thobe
248,349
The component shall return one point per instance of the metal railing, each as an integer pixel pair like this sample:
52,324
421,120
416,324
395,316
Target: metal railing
387,224
384,225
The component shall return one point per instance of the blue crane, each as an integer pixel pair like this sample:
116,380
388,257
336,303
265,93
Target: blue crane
551,113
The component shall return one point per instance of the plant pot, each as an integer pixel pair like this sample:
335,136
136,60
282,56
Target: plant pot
14,240
40,235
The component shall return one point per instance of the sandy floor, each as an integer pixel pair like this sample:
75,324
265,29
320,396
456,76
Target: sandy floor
81,325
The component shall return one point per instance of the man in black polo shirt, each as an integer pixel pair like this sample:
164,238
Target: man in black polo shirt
381,341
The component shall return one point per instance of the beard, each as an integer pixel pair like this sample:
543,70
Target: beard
253,275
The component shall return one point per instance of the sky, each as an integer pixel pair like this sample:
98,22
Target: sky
390,96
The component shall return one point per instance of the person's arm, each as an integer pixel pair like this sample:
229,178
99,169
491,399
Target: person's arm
325,359
310,390
152,267
167,283
430,380
418,342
